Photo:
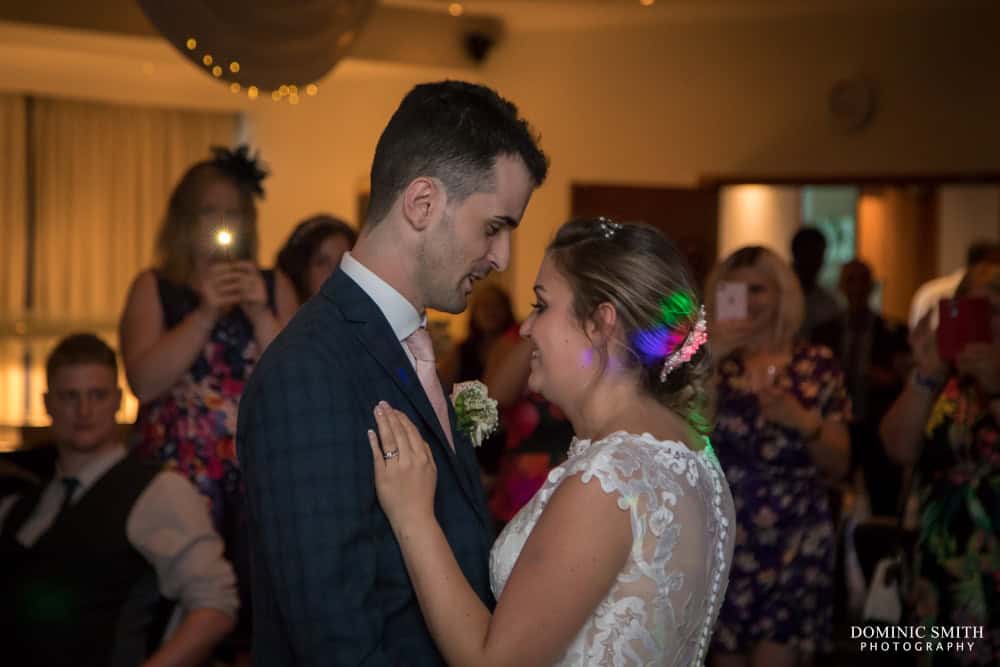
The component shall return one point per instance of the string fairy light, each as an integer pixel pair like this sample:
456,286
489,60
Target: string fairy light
286,91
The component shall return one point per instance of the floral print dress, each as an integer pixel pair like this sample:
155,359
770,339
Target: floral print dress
191,428
958,552
781,582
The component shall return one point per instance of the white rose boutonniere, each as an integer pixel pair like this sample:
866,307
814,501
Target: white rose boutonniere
475,410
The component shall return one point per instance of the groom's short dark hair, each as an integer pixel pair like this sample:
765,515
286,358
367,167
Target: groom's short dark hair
453,131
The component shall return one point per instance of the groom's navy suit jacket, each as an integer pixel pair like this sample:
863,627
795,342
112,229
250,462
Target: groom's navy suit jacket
329,583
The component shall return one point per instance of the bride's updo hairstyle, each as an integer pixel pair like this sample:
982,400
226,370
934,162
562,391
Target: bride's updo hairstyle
660,316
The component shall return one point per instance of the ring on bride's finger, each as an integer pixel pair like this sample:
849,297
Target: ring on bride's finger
390,455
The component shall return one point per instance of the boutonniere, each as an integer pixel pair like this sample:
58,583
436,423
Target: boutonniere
475,410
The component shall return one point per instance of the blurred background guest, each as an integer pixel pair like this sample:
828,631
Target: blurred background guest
491,322
808,255
946,424
192,329
780,434
874,355
929,295
534,435
313,251
538,434
90,555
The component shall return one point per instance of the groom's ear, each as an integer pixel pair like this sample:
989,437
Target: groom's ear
423,201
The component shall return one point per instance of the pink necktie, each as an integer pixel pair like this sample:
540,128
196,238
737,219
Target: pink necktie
419,343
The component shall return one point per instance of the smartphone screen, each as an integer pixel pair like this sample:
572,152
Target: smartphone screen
731,301
962,321
227,245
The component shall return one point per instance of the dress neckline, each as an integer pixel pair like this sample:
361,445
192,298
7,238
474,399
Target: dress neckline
579,446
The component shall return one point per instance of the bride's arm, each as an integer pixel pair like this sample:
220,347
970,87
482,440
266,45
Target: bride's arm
567,566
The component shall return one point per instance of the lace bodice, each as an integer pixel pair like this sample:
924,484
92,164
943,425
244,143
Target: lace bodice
664,602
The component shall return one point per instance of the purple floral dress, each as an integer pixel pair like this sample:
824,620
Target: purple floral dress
781,582
192,427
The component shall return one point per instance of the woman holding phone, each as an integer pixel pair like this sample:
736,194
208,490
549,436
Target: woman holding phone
780,432
192,329
945,423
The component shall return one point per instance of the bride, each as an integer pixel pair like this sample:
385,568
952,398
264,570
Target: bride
622,557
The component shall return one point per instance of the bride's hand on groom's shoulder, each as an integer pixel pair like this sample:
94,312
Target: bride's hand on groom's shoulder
405,474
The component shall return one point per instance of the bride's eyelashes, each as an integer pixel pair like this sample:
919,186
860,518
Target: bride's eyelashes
538,307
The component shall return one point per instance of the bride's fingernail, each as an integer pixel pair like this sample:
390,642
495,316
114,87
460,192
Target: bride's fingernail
378,409
371,434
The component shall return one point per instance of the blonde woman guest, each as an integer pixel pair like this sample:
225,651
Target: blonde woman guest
781,430
192,330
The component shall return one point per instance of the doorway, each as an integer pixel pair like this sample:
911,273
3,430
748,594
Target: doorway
908,228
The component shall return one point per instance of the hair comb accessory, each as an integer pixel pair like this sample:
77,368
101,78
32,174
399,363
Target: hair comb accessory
697,337
608,227
246,170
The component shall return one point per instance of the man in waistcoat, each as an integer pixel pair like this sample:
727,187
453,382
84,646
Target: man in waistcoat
92,556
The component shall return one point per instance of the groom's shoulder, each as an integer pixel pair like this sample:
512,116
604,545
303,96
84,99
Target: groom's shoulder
317,334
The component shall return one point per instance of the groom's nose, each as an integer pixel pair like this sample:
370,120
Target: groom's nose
499,252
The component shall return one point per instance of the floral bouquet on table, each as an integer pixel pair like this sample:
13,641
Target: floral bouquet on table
475,411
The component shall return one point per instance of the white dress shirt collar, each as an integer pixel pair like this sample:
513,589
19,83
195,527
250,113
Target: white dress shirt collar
402,316
93,471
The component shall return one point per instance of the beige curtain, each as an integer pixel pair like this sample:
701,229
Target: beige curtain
13,260
102,175
12,208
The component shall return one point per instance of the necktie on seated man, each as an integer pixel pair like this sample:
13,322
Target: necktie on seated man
70,485
422,349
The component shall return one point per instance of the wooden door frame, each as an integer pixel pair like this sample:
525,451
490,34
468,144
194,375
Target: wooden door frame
989,177
875,179
705,251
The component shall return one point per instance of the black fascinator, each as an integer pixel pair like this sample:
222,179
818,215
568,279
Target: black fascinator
248,171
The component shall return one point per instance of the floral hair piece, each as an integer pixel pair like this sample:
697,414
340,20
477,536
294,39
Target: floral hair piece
697,337
608,228
246,170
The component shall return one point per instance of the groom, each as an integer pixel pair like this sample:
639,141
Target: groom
452,175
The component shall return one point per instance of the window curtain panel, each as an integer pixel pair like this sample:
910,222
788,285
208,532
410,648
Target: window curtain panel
13,259
13,207
102,175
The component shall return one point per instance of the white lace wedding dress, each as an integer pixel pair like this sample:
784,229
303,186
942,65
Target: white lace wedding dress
663,605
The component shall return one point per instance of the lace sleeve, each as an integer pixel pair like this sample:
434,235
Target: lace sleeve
666,598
